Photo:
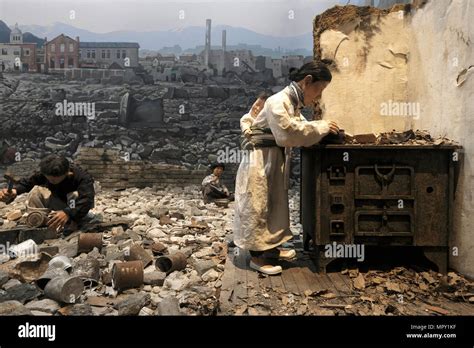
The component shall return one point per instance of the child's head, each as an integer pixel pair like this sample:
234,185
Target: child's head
54,168
260,102
217,169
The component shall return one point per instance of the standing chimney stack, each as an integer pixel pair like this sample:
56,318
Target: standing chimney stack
224,40
207,51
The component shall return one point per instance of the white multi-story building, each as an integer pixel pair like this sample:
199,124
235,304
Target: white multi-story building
104,54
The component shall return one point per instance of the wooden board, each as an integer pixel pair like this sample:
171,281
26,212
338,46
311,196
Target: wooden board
239,281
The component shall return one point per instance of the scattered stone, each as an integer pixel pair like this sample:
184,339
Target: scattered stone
158,212
165,220
155,232
202,266
21,293
169,306
11,283
177,281
177,215
158,248
210,275
3,278
132,304
79,309
14,215
13,308
145,311
46,305
40,313
98,301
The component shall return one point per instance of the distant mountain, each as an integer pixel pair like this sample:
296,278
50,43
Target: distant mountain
4,32
27,36
186,38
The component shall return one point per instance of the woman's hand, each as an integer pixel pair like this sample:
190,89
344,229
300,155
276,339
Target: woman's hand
333,127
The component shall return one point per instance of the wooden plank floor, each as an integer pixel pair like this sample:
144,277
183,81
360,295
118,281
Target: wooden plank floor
240,285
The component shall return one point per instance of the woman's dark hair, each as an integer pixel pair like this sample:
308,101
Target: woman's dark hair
318,70
54,165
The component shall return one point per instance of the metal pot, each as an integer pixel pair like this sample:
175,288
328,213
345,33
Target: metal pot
127,275
64,289
88,241
172,262
51,272
88,270
62,262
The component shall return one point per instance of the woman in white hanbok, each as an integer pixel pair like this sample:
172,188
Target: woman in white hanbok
262,220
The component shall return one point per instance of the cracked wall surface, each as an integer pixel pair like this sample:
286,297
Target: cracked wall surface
369,49
420,54
441,79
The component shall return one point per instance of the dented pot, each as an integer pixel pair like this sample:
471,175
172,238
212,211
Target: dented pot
171,263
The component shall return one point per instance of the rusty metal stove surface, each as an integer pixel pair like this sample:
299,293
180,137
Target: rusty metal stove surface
382,195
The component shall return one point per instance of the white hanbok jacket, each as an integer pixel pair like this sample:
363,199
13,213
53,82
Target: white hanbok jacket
262,219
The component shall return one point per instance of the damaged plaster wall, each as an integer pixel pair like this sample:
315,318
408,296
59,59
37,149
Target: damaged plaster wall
370,55
441,80
421,56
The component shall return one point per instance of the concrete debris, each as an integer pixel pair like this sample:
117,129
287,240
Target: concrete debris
80,309
168,306
3,278
210,275
409,137
162,224
20,292
46,305
13,308
133,304
11,283
177,281
195,289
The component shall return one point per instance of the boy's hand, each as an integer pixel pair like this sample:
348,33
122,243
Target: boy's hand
57,220
5,196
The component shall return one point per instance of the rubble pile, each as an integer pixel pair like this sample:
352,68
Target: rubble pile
160,225
409,137
200,119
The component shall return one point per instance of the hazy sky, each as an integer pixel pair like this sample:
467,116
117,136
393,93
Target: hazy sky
263,16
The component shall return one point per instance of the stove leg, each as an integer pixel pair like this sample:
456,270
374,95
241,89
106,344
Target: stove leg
306,240
439,257
321,261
